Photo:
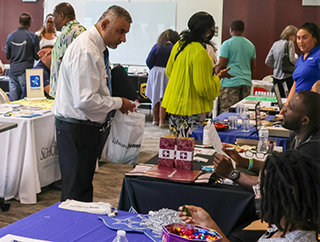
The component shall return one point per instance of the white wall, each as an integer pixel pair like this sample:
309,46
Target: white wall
185,8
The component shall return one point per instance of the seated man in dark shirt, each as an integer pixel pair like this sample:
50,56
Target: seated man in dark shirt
302,115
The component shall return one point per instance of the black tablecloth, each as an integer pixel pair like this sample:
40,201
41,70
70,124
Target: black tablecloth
228,205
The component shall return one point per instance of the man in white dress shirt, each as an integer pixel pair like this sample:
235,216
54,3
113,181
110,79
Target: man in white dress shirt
83,101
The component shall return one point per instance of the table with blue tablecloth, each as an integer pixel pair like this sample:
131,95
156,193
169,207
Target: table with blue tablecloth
230,135
60,225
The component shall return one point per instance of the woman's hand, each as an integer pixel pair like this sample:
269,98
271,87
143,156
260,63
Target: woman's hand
198,216
224,73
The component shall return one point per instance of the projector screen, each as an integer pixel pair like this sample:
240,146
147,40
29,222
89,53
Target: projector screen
149,19
310,2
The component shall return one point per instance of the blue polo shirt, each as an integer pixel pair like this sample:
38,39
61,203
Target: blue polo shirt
22,47
307,71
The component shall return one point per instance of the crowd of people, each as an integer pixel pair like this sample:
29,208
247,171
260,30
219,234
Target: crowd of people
185,78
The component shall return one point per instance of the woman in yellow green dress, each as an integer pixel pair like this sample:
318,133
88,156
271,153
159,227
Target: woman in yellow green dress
192,86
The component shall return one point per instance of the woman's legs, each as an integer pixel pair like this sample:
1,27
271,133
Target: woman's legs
156,113
162,115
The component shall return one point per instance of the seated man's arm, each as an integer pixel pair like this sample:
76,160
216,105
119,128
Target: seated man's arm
223,167
47,89
243,162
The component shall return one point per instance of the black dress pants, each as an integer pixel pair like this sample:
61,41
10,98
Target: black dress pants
78,152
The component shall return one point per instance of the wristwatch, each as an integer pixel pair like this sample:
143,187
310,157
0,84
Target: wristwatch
234,175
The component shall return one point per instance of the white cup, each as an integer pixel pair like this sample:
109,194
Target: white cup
233,122
239,109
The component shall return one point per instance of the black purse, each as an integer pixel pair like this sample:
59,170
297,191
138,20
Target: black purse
287,66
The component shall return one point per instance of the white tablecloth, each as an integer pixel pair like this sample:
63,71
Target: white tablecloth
28,155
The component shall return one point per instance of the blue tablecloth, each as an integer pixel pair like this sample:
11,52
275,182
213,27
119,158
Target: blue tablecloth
55,224
230,135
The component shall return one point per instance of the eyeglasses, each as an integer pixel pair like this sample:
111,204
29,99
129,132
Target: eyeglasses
251,153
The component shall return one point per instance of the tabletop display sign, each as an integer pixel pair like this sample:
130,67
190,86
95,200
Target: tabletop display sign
258,117
34,84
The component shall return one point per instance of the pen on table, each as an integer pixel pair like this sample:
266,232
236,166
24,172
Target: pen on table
203,146
49,111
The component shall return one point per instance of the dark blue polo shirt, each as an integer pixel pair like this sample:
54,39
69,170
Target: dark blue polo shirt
22,47
46,73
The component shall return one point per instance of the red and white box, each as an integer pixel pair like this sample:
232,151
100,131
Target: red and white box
166,151
184,154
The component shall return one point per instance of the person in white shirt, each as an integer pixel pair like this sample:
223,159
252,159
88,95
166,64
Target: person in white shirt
83,101
2,68
48,33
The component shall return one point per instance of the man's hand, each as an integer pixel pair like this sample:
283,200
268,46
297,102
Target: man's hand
44,52
240,161
127,106
222,165
224,73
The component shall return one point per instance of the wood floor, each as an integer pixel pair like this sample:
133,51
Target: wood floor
107,181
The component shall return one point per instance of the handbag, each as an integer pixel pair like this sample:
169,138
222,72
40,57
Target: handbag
287,66
124,141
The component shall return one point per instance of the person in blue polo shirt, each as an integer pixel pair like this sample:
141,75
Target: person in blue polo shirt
307,70
21,49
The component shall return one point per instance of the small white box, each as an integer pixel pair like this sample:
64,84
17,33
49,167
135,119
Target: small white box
278,132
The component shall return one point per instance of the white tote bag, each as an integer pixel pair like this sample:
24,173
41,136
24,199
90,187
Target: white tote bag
124,141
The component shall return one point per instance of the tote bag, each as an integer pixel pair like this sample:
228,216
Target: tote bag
124,141
287,66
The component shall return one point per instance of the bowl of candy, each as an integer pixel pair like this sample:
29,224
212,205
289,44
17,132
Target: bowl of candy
221,126
188,232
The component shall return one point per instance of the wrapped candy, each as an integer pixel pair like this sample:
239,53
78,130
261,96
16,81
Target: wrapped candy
189,232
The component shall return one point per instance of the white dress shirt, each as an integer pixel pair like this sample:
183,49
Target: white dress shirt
82,91
2,68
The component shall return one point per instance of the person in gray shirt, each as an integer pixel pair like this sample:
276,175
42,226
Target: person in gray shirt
274,57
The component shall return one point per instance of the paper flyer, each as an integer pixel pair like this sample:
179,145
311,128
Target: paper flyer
216,143
16,238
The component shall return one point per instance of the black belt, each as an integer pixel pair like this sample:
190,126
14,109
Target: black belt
77,121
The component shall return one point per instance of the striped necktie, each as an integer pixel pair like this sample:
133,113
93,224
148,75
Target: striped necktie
106,62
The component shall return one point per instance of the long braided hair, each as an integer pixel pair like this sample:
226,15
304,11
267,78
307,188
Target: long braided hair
198,25
290,189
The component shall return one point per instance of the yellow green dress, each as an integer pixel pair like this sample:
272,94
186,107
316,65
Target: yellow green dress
192,88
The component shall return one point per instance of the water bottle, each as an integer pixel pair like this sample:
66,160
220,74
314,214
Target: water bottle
263,139
206,139
121,236
245,121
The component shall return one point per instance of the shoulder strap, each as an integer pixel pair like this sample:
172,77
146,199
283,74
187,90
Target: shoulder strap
286,49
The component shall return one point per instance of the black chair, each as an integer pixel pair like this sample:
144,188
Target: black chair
122,85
